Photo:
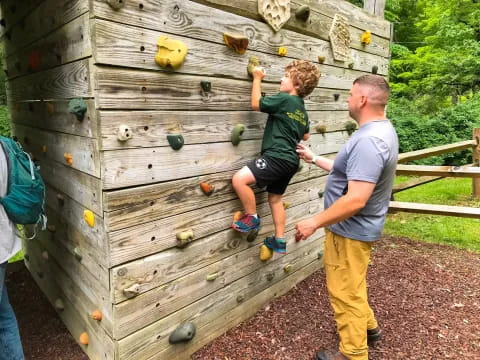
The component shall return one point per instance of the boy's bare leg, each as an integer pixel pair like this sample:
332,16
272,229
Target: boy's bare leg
241,181
278,214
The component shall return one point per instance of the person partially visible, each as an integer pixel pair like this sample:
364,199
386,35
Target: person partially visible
287,125
10,244
356,197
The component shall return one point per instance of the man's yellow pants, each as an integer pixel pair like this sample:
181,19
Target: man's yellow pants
346,262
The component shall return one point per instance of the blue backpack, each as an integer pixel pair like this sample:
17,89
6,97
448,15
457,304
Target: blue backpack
25,199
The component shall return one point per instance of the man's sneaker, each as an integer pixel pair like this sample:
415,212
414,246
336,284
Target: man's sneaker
374,335
275,244
247,223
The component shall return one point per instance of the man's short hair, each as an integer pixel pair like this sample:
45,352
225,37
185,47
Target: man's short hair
304,75
380,90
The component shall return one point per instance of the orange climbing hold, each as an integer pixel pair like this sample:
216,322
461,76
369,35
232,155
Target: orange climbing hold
97,315
83,338
237,215
68,158
34,60
207,188
238,43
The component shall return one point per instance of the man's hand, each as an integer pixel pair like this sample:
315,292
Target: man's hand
305,228
258,73
304,153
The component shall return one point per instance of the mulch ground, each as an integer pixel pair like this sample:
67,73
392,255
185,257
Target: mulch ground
426,298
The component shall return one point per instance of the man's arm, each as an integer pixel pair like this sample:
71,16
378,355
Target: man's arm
345,207
258,74
306,154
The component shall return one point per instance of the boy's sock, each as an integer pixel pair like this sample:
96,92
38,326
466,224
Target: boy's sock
255,215
278,245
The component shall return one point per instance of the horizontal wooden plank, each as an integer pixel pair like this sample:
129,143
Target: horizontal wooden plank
144,166
12,13
210,313
54,146
445,171
416,181
437,150
131,315
160,268
458,211
54,116
69,43
77,306
151,90
318,24
128,46
48,16
63,82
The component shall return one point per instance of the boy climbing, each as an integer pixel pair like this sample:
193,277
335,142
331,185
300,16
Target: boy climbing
286,126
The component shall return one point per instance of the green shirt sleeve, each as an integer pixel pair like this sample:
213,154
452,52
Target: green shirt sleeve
271,104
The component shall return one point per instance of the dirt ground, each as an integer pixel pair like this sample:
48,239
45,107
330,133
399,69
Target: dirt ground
426,298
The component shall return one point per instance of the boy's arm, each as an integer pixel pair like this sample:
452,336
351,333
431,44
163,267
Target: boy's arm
306,136
258,74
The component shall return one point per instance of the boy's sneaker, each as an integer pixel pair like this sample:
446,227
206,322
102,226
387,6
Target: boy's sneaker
247,223
279,246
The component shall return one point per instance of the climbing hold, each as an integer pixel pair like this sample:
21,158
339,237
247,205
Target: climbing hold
252,235
116,4
132,291
44,148
89,217
287,268
175,140
253,62
60,199
303,13
366,37
45,254
212,277
320,193
276,13
300,166
206,85
83,338
170,53
237,215
321,129
374,69
184,238
237,133
319,255
321,59
207,188
40,274
270,275
50,107
282,51
96,315
51,228
238,43
124,133
350,126
183,333
59,305
336,97
286,204
77,254
34,60
351,64
265,253
240,298
78,107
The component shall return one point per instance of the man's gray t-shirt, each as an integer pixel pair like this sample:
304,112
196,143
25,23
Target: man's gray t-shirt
370,155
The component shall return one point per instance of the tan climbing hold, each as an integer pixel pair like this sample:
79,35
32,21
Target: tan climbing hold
287,268
170,53
282,51
207,188
83,338
275,12
132,291
286,204
68,158
238,43
237,215
59,305
89,217
50,107
51,228
96,315
45,254
265,253
366,37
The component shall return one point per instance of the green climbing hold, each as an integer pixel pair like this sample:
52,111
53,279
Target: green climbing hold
78,107
252,235
206,85
374,69
176,141
183,333
350,126
237,133
320,194
253,62
303,13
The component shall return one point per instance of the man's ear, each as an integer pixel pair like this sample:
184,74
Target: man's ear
363,101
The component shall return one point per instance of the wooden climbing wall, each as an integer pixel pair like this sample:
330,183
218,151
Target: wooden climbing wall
141,191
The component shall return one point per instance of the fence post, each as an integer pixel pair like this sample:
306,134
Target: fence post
476,162
376,7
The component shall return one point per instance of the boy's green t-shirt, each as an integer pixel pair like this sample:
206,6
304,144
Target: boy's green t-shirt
287,123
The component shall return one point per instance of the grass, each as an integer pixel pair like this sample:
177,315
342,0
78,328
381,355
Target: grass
459,232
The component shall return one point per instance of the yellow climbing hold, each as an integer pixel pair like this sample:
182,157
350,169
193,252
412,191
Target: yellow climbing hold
366,37
68,158
44,148
282,51
286,204
83,338
265,253
170,53
89,217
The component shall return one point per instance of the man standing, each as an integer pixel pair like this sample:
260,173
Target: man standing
10,244
356,199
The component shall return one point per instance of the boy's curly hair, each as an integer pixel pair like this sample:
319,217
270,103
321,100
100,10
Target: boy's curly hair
304,75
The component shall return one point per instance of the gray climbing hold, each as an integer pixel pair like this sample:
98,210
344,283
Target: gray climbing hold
303,13
116,4
78,107
176,141
183,333
374,69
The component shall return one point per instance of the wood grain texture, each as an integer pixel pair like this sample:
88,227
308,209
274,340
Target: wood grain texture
445,171
12,13
444,210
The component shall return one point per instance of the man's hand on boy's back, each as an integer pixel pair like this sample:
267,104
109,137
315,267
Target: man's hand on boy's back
258,72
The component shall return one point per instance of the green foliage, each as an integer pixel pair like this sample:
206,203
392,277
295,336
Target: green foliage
3,94
4,121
